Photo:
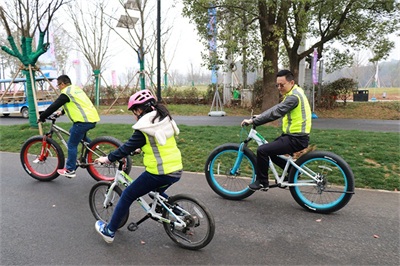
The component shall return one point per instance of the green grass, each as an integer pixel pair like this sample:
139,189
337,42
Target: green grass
373,156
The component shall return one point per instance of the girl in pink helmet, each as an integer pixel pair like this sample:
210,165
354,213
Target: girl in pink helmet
154,133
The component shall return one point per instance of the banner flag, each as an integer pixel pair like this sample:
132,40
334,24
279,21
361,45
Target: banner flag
314,67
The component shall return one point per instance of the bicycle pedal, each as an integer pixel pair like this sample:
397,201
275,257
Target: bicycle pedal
133,227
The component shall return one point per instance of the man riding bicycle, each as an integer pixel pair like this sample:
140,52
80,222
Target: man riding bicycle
80,111
295,112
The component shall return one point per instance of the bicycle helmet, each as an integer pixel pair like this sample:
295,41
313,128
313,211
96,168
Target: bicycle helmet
139,98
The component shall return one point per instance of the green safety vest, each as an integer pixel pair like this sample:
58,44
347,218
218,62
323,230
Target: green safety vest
161,159
299,119
79,108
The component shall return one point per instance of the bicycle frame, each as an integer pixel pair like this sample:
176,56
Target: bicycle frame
123,179
260,140
59,131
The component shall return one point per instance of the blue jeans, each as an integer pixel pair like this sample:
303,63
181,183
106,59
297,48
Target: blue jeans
145,183
77,132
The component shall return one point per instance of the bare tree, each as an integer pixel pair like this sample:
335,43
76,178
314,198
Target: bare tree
140,38
92,34
28,18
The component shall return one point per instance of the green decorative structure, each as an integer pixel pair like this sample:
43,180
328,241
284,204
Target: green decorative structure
28,58
96,73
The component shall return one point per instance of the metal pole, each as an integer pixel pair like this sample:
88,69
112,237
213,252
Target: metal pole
159,50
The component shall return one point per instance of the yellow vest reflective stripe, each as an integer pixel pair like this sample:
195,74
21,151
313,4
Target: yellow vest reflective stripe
299,119
161,160
79,108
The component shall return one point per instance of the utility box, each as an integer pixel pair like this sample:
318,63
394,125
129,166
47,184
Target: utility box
360,95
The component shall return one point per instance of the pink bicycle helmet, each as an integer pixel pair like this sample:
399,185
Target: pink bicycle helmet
139,98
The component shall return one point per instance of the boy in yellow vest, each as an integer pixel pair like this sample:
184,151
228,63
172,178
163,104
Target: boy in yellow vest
81,111
295,112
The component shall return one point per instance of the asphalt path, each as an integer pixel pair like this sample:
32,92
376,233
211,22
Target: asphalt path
319,123
50,223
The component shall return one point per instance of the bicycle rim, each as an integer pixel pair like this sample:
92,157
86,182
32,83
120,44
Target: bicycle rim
97,196
102,147
330,196
41,162
222,181
200,223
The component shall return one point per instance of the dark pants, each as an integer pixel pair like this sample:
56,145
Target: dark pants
145,183
284,144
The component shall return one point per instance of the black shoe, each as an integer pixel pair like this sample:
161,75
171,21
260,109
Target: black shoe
259,185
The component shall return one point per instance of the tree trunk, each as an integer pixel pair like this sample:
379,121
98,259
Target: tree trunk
30,90
269,42
294,60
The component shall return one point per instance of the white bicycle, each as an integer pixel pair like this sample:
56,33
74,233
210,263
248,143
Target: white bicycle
319,181
186,220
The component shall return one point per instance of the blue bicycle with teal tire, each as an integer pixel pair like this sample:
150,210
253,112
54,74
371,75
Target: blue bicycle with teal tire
319,181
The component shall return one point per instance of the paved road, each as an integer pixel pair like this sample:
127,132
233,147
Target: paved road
320,123
51,224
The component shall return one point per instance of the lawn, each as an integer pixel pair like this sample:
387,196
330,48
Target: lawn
373,156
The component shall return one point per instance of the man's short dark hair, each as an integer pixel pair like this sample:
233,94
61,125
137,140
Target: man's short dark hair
286,73
64,79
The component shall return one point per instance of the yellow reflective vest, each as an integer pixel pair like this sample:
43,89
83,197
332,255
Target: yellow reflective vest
161,153
298,120
79,108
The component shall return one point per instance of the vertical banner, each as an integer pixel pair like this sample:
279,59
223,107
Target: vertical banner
212,32
78,73
114,78
314,67
377,85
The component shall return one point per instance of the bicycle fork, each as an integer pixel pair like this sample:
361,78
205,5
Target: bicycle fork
238,161
44,152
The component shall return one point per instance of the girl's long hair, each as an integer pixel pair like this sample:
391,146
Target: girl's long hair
162,111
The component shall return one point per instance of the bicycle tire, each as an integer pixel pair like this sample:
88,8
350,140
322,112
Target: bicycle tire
217,170
96,201
44,169
102,146
200,223
336,188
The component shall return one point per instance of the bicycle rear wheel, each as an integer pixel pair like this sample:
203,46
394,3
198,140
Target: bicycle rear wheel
218,170
334,190
102,146
97,196
200,225
42,161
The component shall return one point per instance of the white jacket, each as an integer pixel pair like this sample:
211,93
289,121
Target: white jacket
160,130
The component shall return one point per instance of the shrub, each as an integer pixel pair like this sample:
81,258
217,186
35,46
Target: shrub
339,89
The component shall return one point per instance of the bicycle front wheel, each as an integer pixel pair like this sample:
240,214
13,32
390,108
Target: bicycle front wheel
200,225
102,210
102,146
41,160
219,175
334,189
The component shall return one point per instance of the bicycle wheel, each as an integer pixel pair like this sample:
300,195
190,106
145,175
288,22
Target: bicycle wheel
233,186
97,196
102,146
336,186
41,162
200,225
